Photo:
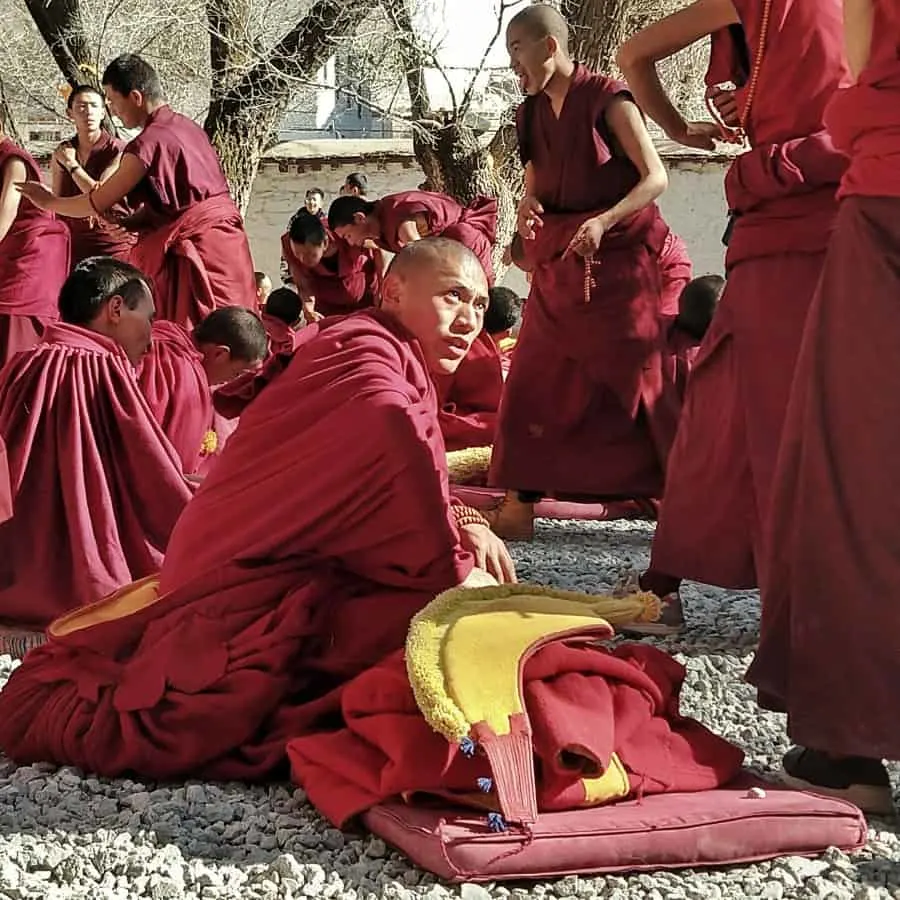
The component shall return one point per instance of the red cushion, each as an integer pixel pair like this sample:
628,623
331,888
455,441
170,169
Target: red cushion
664,831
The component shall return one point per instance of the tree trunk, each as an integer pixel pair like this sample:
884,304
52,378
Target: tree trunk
62,28
598,29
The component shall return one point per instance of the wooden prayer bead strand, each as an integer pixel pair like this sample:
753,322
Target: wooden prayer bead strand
589,263
757,66
468,515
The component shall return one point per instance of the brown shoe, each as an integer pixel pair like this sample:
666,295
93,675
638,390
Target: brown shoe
511,519
856,779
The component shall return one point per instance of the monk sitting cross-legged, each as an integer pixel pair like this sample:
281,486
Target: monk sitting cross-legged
182,367
254,627
191,240
96,485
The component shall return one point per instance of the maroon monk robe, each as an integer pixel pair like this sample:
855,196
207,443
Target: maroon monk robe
191,235
343,283
282,337
720,472
579,414
474,225
96,486
676,271
34,263
322,529
469,399
828,645
172,378
96,236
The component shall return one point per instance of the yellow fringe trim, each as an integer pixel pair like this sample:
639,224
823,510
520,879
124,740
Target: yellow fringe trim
470,465
210,443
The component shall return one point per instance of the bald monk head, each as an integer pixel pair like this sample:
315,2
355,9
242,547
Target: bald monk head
537,40
308,237
697,305
263,287
232,340
112,298
286,306
436,288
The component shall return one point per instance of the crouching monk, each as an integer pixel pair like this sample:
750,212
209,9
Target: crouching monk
212,669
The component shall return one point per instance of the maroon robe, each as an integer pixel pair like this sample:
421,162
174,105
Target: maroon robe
172,378
283,338
676,271
469,399
579,414
334,490
191,235
34,263
348,281
96,486
474,225
712,520
96,236
828,653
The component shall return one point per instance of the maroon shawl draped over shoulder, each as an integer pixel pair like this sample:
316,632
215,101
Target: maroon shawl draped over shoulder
334,489
96,486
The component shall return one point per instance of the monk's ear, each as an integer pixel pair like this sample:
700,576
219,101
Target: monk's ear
114,307
391,291
359,218
136,97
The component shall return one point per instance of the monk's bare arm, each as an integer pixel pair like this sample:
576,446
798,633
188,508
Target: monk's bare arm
638,57
10,198
859,19
408,232
56,176
84,181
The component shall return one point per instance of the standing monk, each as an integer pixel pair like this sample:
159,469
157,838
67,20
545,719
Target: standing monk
828,653
79,165
34,256
191,240
325,526
781,197
399,219
578,416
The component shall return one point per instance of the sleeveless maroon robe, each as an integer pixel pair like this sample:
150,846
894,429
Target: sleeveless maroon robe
828,653
96,236
191,235
474,225
96,486
712,520
579,414
34,263
172,379
354,283
334,488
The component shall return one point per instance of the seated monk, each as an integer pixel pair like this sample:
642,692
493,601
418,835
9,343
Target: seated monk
399,219
281,318
501,322
340,528
331,276
180,370
97,487
34,256
191,240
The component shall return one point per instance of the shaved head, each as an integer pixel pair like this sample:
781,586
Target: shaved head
542,21
430,253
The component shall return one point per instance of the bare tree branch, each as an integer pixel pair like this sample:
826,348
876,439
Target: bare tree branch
463,109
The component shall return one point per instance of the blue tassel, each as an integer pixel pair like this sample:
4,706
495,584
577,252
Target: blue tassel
485,785
467,746
496,822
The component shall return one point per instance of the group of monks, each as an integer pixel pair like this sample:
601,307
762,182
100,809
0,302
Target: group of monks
204,605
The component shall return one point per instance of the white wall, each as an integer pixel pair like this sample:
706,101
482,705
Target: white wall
694,206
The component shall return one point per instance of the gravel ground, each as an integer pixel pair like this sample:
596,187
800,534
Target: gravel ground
63,835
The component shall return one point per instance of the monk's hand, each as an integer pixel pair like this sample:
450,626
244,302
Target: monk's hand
489,551
42,197
586,241
725,102
310,315
700,135
64,155
529,217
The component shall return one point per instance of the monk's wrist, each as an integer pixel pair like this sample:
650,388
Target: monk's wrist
468,515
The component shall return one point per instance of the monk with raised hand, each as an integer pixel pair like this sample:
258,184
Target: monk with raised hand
397,220
96,485
78,165
34,256
181,369
191,240
332,277
828,652
280,585
579,407
781,193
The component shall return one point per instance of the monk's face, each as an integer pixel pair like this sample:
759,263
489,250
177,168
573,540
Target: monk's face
127,108
129,326
530,58
87,111
221,366
357,232
309,254
263,289
442,303
314,202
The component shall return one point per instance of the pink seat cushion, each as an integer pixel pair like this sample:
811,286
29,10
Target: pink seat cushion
664,831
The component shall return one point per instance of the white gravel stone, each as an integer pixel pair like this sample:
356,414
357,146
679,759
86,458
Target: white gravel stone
68,836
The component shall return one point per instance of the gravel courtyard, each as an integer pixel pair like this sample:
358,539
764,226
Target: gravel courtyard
64,836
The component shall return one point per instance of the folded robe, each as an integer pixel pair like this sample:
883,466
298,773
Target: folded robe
470,397
198,262
172,378
312,579
96,485
585,704
282,337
